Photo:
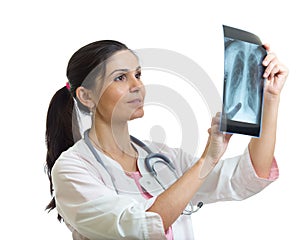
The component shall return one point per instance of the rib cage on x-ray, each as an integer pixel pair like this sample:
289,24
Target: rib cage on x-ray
243,76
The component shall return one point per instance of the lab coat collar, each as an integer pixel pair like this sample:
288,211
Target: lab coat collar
123,183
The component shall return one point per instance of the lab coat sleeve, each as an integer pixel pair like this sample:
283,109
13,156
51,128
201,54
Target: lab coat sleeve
234,179
231,179
96,211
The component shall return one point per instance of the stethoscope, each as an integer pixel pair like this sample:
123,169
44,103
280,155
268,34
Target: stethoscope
160,158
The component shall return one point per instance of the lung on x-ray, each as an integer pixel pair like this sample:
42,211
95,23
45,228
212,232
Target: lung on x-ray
243,82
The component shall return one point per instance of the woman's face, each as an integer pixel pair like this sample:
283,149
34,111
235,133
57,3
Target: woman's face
122,94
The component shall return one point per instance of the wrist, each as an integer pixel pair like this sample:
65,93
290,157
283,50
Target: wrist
271,105
206,165
271,98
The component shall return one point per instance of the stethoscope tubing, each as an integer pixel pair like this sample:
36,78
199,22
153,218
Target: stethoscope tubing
163,159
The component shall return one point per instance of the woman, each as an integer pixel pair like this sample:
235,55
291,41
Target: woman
112,200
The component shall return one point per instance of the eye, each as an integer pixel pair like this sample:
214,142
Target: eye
120,78
138,75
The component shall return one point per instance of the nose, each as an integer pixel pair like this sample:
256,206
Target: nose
135,83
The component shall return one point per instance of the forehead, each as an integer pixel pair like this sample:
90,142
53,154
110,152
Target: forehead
124,59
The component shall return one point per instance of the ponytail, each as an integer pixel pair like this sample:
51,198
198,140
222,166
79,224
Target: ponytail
62,129
61,132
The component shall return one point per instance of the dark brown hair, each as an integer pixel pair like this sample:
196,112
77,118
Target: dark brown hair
62,129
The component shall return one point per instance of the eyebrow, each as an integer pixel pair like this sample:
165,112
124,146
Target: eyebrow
123,70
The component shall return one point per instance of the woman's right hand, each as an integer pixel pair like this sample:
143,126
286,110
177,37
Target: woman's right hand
216,145
171,203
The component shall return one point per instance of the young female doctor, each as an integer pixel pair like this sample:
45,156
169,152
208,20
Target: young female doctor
101,185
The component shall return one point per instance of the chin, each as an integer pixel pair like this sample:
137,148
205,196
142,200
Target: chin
139,113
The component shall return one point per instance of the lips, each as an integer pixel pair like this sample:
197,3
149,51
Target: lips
136,102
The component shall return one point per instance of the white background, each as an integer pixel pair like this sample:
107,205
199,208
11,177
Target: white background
37,40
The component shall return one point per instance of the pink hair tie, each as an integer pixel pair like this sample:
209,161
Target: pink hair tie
68,86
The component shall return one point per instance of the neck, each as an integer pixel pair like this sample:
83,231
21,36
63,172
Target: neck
111,138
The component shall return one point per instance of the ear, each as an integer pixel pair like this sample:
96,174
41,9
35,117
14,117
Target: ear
85,97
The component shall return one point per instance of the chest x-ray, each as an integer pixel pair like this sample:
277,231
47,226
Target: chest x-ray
243,82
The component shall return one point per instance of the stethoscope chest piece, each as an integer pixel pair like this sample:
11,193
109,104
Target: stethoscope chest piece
160,158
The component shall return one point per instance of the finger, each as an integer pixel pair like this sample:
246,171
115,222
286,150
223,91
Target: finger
215,130
215,120
271,68
275,70
267,47
269,58
209,131
228,136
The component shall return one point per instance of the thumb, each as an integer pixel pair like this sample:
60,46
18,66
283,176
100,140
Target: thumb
227,136
209,131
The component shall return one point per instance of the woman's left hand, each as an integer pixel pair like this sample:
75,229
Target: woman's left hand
262,149
275,73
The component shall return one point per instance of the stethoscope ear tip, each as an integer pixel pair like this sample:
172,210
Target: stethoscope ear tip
200,204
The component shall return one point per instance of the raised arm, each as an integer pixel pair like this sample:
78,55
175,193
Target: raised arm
170,204
262,149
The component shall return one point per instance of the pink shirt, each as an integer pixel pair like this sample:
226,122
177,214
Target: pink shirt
136,176
274,172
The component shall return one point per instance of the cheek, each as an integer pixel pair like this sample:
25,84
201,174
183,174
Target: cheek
112,95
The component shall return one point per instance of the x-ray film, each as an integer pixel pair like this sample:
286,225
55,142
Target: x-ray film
243,82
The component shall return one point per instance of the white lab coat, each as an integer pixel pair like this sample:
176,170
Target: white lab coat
87,201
